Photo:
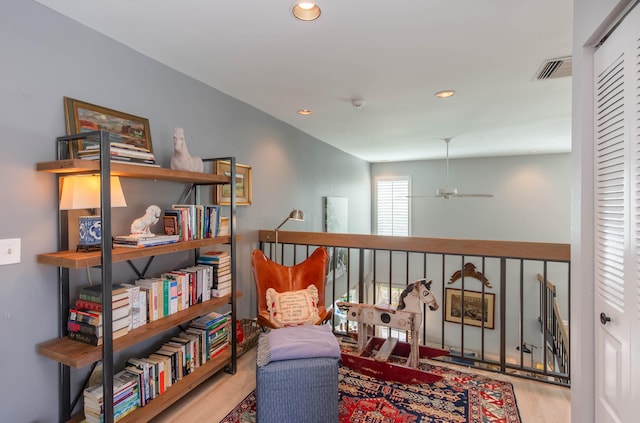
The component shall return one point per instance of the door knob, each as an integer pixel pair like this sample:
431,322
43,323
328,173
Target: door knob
604,319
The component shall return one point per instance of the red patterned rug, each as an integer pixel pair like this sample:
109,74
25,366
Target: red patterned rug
458,398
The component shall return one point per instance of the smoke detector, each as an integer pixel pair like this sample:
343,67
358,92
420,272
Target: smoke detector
357,103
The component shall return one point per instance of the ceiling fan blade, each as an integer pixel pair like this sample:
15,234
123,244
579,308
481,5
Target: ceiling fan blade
473,195
451,195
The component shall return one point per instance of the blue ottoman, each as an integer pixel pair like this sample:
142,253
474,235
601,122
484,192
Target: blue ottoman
297,375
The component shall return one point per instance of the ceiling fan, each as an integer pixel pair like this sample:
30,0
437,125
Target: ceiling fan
448,192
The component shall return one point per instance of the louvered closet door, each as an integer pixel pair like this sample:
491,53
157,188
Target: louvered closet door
617,222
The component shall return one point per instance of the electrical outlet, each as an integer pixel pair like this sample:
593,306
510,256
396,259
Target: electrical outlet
9,251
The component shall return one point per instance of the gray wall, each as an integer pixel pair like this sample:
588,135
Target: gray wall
531,197
45,56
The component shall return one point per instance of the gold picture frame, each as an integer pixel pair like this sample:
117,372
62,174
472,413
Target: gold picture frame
123,128
222,193
474,311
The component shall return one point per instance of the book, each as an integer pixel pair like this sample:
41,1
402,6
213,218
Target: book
123,159
144,307
142,383
91,153
176,215
91,317
94,317
96,330
223,228
147,377
96,340
97,306
94,292
135,308
182,286
158,362
188,345
170,224
202,345
166,372
154,291
153,375
219,293
215,257
133,241
115,144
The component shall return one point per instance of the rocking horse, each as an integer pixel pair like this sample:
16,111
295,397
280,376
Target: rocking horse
407,316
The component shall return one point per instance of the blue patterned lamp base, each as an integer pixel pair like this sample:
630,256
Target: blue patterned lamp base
89,233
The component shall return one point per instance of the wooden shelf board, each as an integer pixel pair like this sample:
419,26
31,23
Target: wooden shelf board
77,354
176,391
81,260
78,166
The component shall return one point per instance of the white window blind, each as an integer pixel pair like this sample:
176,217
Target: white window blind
392,206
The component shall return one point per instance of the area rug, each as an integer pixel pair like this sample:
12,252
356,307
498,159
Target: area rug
458,398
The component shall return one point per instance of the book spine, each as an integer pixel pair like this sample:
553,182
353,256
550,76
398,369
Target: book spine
87,339
89,305
90,298
85,317
87,329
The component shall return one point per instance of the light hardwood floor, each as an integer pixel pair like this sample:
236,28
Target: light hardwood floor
211,401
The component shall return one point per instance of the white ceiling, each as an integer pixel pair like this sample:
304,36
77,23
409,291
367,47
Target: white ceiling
392,54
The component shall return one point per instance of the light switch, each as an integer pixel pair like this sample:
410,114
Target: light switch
9,251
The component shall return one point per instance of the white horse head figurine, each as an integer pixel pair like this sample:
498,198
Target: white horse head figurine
416,292
181,159
410,300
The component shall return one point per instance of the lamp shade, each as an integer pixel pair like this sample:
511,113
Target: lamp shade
296,214
83,192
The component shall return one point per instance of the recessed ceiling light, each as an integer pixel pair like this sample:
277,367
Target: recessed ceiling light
304,112
445,94
306,11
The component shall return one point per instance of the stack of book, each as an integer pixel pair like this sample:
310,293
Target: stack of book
216,327
85,319
141,241
126,397
220,261
120,152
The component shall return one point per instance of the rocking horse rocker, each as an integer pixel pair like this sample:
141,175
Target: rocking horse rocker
374,353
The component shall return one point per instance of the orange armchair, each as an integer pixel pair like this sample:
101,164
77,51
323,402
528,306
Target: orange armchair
269,274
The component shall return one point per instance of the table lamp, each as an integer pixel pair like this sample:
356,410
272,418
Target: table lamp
295,214
83,192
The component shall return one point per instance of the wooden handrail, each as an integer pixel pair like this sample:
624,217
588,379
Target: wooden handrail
550,285
468,247
564,334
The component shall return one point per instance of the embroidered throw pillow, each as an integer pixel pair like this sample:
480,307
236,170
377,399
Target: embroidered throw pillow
293,307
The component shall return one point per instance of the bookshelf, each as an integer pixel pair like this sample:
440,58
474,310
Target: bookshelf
73,354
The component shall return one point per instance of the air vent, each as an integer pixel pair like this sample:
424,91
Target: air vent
554,68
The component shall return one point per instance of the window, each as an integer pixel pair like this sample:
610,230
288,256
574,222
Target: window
382,291
392,206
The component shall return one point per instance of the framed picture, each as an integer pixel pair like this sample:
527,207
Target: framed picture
476,309
222,193
132,131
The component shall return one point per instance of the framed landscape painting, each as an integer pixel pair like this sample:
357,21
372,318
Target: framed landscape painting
476,308
132,131
222,193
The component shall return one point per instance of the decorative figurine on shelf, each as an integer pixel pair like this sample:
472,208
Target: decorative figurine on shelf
181,159
142,225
